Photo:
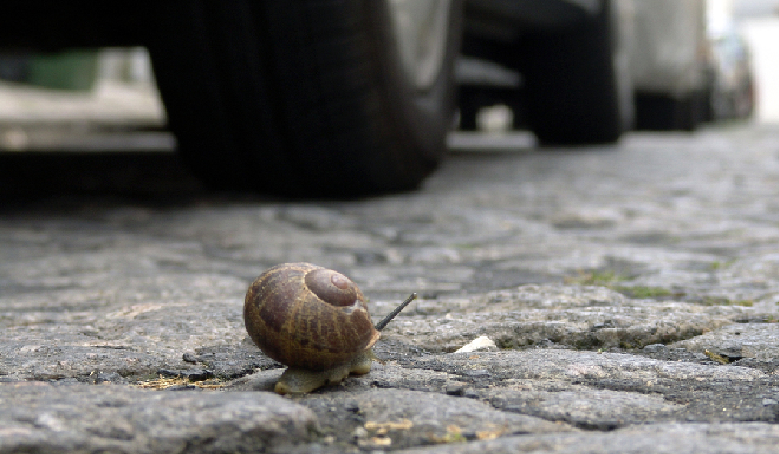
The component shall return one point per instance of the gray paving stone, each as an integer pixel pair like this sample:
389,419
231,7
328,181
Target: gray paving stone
655,438
631,290
571,316
47,418
743,340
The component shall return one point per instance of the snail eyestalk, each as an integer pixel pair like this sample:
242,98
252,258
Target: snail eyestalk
380,326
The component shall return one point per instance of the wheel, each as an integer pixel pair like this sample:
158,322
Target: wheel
469,108
308,98
578,82
662,112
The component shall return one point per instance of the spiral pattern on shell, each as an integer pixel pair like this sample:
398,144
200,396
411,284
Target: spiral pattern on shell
308,317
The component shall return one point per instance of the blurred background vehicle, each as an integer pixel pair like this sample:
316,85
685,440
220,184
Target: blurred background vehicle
586,71
573,84
356,97
668,64
732,85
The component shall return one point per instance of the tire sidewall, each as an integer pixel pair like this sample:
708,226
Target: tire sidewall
421,119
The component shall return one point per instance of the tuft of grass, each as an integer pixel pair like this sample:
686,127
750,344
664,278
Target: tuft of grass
720,301
610,279
598,278
643,292
717,265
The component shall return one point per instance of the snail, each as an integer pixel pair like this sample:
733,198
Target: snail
314,321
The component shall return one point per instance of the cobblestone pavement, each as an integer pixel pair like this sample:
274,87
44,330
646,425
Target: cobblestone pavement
632,294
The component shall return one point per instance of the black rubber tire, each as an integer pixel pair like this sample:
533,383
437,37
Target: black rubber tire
661,112
469,108
576,91
304,98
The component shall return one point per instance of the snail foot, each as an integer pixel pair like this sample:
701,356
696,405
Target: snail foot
301,381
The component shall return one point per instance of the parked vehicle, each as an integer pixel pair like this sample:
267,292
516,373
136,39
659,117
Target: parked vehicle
668,64
573,60
305,98
346,98
732,80
588,70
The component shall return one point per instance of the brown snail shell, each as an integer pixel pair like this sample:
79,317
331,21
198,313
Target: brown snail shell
310,319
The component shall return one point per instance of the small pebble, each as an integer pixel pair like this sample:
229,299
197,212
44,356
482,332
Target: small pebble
189,357
480,343
352,406
455,390
481,373
655,348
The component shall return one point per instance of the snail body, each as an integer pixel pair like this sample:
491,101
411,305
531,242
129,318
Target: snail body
314,321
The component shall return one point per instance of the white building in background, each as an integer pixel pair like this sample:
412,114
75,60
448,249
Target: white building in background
763,36
720,16
758,22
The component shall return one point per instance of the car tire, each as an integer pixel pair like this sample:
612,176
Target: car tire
469,108
306,98
660,112
578,82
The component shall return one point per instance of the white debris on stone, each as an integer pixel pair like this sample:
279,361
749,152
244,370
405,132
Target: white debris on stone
480,343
